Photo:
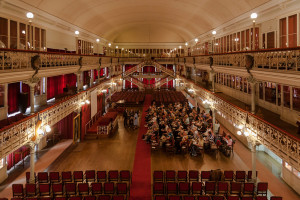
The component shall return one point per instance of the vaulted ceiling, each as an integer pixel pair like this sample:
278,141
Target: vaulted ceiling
146,20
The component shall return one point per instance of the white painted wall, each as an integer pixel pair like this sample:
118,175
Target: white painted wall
60,40
292,180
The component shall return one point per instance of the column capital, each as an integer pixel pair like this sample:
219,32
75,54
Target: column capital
252,80
32,81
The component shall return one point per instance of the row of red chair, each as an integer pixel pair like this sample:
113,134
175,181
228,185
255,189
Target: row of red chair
80,176
218,197
195,175
128,96
211,187
100,197
69,189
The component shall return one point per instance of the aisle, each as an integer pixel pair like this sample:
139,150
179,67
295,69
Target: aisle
141,174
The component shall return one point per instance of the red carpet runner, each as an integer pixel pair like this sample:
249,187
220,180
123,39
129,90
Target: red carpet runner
141,175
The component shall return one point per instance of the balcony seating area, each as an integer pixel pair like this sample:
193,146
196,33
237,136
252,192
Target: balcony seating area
131,98
208,185
167,97
76,185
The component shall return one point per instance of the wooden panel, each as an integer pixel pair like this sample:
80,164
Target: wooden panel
292,20
282,33
271,40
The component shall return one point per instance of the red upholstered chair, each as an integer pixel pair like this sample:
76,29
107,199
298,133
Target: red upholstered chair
45,198
218,197
60,198
89,198
30,189
247,198
28,177
228,175
31,198
184,188
122,188
113,175
188,198
249,176
160,197
249,189
197,188
15,198
43,177
83,188
118,197
203,198
158,176
276,198
54,177
104,197
90,175
205,175
222,187
182,176
78,176
262,188
261,198
109,188
235,188
70,188
57,189
229,197
44,189
101,176
75,198
174,197
193,175
125,175
240,176
18,190
170,175
158,188
66,176
210,187
96,188
172,188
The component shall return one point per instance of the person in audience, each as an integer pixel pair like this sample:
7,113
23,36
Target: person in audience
136,119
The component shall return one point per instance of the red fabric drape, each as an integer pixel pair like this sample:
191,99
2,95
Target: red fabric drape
26,89
65,127
55,86
101,72
107,71
16,156
99,102
95,74
85,118
85,78
13,100
148,69
70,79
127,84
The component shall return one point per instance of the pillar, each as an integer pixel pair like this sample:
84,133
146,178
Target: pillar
253,151
32,158
212,76
5,94
78,81
32,98
253,88
92,78
214,119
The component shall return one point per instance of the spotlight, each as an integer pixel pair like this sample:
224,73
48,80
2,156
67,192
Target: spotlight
48,128
87,101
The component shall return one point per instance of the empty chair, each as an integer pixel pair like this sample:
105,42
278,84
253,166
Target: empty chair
44,189
276,198
104,197
172,188
249,175
75,198
30,189
57,189
210,187
43,177
205,175
262,188
170,175
184,188
218,197
109,188
78,176
174,197
193,175
188,198
118,197
228,175
28,177
70,188
182,176
160,197
240,176
158,176
203,198
248,189
122,188
90,176
113,175
101,176
89,198
247,198
235,188
261,198
83,188
158,188
54,177
96,188
222,187
66,176
60,198
197,188
229,197
18,190
125,175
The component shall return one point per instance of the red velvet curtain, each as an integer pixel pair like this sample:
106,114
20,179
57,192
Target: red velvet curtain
13,94
170,84
85,78
85,118
101,72
55,86
107,71
99,102
15,157
26,89
65,127
127,84
95,74
70,79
